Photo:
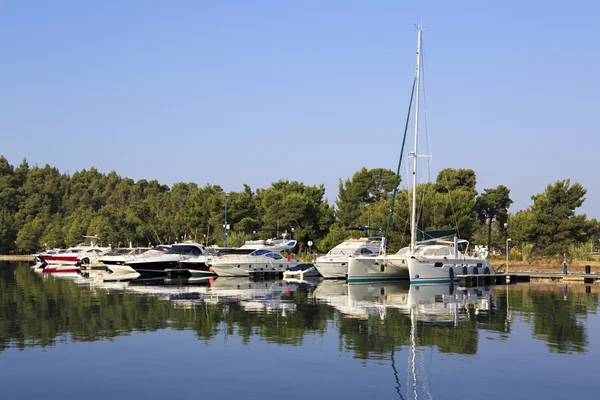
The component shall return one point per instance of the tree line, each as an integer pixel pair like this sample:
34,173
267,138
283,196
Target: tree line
42,207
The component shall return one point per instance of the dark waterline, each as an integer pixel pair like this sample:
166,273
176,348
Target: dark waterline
236,338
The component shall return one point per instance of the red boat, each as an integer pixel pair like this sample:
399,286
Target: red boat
73,256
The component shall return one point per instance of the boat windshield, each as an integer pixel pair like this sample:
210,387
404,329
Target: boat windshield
266,253
185,249
363,251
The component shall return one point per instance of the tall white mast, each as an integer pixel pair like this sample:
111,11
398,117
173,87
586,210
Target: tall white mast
413,218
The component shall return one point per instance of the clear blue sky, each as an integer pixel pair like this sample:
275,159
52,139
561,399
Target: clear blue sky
233,92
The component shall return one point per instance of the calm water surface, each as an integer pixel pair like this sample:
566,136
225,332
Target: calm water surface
72,338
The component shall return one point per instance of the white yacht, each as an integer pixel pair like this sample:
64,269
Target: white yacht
334,264
261,260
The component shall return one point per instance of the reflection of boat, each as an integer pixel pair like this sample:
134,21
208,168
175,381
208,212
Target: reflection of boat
310,281
446,303
335,294
334,264
171,289
57,268
301,271
261,261
245,288
98,276
252,294
432,303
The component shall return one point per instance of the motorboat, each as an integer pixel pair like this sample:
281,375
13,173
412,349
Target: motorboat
157,264
118,263
301,271
259,261
199,266
334,264
77,255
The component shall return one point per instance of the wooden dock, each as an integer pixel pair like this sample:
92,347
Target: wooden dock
472,280
561,278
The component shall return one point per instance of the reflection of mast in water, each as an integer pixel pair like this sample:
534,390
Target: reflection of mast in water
413,353
382,315
413,359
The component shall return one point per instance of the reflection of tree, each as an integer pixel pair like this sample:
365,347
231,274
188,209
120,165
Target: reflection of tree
554,317
369,338
556,321
38,311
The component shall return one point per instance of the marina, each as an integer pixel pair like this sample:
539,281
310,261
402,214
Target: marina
265,200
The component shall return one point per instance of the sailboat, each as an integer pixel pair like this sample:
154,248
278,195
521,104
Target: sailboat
435,260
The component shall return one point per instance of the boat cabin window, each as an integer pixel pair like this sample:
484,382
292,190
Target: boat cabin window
260,252
444,251
430,252
188,250
364,251
274,256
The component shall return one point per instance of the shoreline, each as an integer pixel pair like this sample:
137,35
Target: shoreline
16,257
573,267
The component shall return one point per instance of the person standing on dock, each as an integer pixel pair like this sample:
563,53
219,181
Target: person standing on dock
565,267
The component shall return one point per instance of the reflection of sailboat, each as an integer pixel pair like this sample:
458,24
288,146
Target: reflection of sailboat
437,306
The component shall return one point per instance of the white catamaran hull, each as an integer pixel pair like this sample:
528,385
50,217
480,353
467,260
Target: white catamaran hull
363,269
445,270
